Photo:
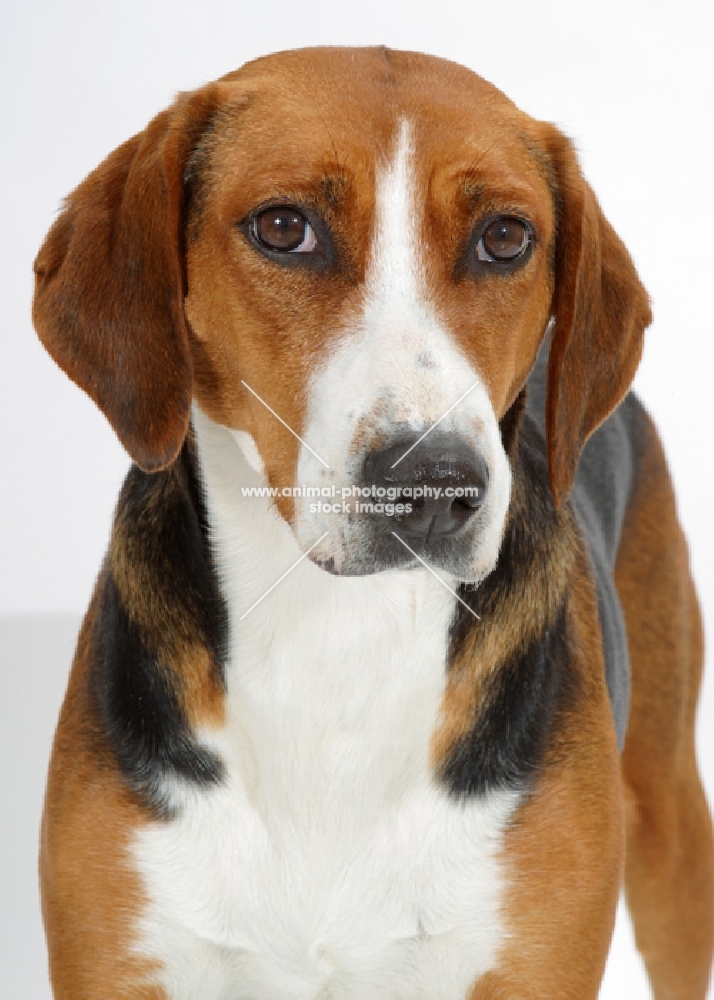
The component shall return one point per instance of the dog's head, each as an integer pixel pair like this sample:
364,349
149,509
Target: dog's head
373,244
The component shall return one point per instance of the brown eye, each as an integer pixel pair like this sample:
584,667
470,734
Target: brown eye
504,239
284,229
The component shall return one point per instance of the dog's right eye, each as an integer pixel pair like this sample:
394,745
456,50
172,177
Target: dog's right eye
283,229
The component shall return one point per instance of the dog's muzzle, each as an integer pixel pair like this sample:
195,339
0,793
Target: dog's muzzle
423,498
440,481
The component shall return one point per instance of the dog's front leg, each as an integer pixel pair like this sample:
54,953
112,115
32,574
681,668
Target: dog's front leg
563,858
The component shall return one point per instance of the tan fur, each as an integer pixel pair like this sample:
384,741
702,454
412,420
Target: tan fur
566,847
89,818
669,876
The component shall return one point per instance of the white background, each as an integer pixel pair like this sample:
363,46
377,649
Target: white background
631,81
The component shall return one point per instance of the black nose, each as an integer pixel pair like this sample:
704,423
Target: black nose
441,478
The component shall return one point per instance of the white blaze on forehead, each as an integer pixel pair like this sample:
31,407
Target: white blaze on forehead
416,365
396,357
393,274
396,368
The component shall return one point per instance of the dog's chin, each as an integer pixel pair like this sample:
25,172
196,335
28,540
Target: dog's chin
364,566
389,554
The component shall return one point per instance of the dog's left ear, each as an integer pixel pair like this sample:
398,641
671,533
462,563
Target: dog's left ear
109,284
601,311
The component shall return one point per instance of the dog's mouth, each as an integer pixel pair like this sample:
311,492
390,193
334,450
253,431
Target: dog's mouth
377,548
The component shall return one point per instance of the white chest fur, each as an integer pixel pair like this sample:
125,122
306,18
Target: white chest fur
329,865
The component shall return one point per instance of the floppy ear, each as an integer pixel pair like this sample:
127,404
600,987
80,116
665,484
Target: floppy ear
109,284
601,311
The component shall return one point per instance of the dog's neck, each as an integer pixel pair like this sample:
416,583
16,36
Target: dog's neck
360,661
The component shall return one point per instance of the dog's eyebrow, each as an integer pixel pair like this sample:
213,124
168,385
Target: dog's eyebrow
472,190
471,184
333,188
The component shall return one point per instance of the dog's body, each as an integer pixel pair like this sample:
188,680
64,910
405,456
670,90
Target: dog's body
326,777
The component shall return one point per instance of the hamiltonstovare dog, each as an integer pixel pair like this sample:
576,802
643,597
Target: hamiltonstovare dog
388,681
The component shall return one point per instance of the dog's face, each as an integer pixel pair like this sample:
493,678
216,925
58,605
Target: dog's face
373,261
373,245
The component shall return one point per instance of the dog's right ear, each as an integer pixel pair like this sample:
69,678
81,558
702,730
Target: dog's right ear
110,284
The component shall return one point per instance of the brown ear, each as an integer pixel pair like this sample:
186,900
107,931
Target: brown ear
601,311
109,285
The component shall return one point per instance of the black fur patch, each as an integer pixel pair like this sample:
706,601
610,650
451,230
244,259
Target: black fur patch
164,530
507,740
140,710
506,744
163,523
511,422
532,534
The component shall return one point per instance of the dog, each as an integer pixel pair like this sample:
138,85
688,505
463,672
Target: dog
389,677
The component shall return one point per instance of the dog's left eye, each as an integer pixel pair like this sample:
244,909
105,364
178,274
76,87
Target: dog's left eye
283,229
504,240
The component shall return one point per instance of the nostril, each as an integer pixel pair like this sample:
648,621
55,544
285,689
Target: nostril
473,503
475,500
459,512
